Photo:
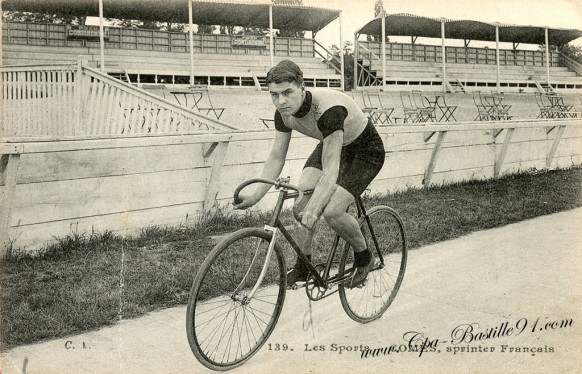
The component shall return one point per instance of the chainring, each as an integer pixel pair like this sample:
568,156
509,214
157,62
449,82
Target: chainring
313,291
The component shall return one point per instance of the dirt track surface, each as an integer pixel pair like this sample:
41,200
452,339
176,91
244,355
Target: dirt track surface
523,277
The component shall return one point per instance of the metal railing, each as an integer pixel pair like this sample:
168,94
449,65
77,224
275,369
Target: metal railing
365,75
330,60
571,64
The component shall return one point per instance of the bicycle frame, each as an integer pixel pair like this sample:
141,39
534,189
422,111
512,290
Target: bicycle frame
225,328
275,225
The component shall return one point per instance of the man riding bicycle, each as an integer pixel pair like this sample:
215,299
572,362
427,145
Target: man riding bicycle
350,154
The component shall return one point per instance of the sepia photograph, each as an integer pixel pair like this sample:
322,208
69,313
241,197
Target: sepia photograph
290,186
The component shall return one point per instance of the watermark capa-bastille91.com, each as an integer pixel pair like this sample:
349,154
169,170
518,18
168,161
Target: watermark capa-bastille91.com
418,342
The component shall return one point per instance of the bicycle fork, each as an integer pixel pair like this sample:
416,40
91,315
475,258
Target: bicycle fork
247,299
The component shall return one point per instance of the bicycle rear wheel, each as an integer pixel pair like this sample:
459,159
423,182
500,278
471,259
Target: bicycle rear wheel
369,302
224,327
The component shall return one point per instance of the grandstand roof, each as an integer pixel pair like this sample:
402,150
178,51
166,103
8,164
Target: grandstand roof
209,12
411,25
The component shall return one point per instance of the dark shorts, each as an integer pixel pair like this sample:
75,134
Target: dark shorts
360,162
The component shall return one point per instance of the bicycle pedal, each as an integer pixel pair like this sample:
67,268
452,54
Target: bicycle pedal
297,285
363,284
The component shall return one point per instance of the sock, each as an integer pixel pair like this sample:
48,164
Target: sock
362,258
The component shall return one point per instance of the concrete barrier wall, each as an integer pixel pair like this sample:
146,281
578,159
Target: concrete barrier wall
52,187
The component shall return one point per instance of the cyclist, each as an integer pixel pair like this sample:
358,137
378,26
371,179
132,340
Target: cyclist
349,155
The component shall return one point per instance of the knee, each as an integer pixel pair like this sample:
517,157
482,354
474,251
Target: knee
332,213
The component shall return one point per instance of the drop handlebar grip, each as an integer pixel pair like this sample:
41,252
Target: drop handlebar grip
277,184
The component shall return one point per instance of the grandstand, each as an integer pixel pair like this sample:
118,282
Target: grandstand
474,68
155,56
412,64
173,67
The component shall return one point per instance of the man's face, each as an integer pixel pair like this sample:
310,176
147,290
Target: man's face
287,97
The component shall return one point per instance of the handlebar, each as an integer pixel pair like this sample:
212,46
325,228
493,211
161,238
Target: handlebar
279,183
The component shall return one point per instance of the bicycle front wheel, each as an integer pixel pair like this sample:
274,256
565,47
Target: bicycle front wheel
387,241
225,326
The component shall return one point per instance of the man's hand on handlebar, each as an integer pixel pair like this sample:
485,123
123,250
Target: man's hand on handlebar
306,218
245,201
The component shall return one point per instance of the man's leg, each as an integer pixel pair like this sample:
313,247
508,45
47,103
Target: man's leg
307,181
341,221
347,227
302,235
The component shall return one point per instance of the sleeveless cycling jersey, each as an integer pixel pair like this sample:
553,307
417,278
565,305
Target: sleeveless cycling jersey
324,111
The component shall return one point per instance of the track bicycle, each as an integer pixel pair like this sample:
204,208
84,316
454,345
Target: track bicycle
237,294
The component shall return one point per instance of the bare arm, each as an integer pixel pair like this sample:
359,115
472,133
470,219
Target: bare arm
275,161
326,185
271,170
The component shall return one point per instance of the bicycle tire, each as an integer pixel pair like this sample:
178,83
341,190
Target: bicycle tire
223,331
369,302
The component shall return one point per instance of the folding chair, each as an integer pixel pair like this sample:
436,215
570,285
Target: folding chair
545,107
408,108
378,113
210,108
268,121
427,112
411,112
447,111
501,110
483,109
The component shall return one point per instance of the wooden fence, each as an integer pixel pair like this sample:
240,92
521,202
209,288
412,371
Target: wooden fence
51,186
76,100
38,100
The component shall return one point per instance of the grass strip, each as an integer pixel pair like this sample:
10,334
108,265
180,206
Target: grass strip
82,282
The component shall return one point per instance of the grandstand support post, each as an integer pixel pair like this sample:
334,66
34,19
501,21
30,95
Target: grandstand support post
501,157
8,172
271,35
220,149
79,94
547,57
555,145
356,56
342,63
497,56
191,41
444,55
433,158
101,37
383,50
1,64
